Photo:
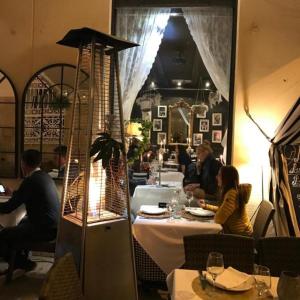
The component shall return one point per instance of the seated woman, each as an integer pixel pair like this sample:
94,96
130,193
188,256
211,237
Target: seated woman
231,213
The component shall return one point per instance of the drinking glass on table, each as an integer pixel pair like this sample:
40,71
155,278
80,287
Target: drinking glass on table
189,197
215,265
262,278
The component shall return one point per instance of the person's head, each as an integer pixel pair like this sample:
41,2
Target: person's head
227,178
60,155
30,160
204,150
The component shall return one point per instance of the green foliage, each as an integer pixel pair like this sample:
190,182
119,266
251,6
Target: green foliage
59,102
107,149
141,145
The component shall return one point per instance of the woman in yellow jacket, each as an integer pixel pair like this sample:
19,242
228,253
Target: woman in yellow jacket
231,213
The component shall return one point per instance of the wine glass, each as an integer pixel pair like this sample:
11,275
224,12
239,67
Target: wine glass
262,279
173,207
215,265
189,197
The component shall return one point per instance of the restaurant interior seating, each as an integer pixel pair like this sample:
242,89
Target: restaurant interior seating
263,219
62,281
136,179
238,251
280,254
47,246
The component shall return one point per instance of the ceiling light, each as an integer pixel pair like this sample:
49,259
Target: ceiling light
179,83
207,84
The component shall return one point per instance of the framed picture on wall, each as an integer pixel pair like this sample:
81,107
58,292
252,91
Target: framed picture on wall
200,110
161,138
157,125
217,119
204,125
162,111
217,136
147,115
197,139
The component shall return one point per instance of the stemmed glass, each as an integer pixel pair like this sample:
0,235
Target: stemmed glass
262,279
189,197
215,265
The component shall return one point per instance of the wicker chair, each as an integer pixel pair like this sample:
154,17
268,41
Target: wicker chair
262,220
280,254
146,269
62,281
238,251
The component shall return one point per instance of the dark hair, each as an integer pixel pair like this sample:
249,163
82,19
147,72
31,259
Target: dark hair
61,150
230,180
32,158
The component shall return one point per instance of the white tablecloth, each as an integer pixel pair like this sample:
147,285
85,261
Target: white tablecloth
172,176
13,218
162,239
152,195
179,284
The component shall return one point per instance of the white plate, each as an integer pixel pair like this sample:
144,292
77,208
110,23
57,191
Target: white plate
151,210
200,212
245,286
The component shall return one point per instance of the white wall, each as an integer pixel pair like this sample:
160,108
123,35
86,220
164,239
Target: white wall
267,78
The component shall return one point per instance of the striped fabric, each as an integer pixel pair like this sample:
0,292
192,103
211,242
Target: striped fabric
288,133
229,215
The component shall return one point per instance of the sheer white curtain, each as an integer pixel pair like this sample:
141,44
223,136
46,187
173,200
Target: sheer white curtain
144,26
211,29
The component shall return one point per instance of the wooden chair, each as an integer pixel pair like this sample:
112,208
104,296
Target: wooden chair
238,251
262,220
47,246
279,254
62,282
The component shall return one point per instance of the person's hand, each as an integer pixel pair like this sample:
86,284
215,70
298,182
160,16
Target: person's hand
201,203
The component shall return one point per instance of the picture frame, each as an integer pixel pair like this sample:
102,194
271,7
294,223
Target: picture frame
217,119
161,138
197,139
157,124
147,115
204,125
162,111
200,110
216,136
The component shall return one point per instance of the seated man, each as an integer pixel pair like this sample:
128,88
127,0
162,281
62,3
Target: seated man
39,195
201,177
60,153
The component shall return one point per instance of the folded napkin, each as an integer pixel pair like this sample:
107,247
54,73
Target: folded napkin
231,278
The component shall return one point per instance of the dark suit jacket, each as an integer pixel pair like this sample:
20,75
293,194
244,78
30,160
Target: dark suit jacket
39,194
206,176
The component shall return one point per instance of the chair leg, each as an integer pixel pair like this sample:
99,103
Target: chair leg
11,265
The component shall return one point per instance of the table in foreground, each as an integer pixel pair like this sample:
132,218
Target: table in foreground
185,284
13,218
162,239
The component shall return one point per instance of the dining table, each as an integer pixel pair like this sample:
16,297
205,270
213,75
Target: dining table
162,239
185,284
13,218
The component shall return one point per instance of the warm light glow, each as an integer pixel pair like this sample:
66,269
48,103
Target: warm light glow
207,84
133,129
152,84
179,83
96,183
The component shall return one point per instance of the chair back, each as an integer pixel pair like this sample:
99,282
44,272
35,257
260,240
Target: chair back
138,176
263,218
238,251
280,254
62,281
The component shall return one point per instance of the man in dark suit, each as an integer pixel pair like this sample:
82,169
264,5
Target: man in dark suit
39,195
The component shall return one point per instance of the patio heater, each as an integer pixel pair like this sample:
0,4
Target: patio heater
95,220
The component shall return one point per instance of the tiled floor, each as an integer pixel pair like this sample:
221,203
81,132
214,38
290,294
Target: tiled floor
26,286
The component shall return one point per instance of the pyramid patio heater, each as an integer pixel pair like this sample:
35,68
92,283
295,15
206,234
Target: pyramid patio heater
95,220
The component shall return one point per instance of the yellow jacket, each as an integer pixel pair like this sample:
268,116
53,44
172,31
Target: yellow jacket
229,215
